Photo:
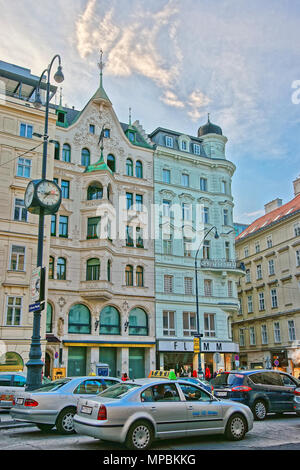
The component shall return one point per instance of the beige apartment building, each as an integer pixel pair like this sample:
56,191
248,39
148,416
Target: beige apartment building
20,161
267,325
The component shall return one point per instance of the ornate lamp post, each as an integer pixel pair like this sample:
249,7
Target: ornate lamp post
42,197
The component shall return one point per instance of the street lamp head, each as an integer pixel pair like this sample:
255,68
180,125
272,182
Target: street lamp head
59,76
216,235
38,102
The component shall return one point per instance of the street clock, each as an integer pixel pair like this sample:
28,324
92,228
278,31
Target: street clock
43,194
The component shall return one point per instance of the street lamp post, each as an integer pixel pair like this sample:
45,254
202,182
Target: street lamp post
35,363
200,372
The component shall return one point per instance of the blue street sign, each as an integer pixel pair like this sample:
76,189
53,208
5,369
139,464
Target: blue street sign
34,307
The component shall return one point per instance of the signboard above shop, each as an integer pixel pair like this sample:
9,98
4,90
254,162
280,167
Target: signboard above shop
206,346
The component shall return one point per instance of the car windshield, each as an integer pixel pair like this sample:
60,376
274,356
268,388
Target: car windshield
226,379
118,390
52,386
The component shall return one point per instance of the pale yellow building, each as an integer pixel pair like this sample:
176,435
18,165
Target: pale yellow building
267,326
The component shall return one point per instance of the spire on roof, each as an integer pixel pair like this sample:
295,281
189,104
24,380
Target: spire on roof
100,93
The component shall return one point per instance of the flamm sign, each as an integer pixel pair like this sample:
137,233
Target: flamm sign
206,346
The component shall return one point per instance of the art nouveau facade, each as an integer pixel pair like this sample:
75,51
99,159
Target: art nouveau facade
192,181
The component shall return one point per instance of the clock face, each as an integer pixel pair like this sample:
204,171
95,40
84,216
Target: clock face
29,194
48,193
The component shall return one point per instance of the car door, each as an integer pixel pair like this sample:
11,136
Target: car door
289,386
166,407
203,412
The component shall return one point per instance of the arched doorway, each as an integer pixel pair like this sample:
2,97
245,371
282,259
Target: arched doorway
47,365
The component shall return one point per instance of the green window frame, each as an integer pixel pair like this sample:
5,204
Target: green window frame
79,320
93,227
109,321
93,269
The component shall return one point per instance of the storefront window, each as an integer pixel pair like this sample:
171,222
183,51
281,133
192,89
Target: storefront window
109,321
79,320
76,361
138,322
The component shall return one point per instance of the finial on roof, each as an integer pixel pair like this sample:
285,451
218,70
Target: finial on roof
208,114
101,65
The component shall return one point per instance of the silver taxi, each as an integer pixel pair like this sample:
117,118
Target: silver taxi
136,412
10,383
54,403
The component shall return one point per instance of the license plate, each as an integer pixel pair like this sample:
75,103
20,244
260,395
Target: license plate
20,401
221,394
86,409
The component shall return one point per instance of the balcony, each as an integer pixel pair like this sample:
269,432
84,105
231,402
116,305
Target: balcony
100,290
222,264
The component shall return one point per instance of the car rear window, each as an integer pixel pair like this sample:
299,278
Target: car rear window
52,386
118,390
227,379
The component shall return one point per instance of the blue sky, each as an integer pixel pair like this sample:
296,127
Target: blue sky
172,62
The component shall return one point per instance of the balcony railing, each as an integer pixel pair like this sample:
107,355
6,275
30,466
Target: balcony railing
221,264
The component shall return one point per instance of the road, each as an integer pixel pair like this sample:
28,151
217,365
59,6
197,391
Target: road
276,432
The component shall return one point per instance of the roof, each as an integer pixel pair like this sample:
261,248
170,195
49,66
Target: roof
273,217
158,136
209,128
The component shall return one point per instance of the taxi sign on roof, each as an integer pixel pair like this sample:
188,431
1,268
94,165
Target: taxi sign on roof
163,374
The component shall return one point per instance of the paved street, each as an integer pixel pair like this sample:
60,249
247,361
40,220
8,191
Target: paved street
277,432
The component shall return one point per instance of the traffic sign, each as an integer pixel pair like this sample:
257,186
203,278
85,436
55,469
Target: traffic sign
276,363
34,307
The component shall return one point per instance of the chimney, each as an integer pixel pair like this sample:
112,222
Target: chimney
296,184
270,206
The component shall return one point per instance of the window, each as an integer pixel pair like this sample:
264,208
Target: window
166,176
225,217
261,301
271,267
53,225
13,311
223,187
240,312
205,215
246,251
248,275
56,150
269,241
250,303
264,334
297,229
93,227
227,251
85,157
292,330
298,258
66,153
168,323
107,133
24,167
258,272
193,393
129,167
79,320
203,184
111,162
26,130
61,117
95,191
139,237
139,202
109,321
138,322
197,149
188,286
208,291
129,200
161,393
93,269
129,275
185,180
92,129
187,246
129,235
168,284
242,337
17,258
166,208
230,288
169,141
252,336
274,301
206,249
186,211
49,318
20,213
140,276
184,145
51,268
131,136
61,269
167,244
277,334
109,270
209,325
189,323
63,226
139,169
65,189
257,247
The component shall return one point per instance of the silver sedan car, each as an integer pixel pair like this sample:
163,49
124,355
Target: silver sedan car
54,404
136,412
297,401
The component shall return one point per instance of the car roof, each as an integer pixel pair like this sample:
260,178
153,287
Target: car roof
154,381
253,371
9,372
92,377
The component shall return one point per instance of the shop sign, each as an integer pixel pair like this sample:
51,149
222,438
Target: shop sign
58,373
206,346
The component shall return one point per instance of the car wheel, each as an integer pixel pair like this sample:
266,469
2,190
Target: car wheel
140,436
64,422
44,427
236,428
259,410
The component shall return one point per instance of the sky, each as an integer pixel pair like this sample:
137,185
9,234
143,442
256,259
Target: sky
172,62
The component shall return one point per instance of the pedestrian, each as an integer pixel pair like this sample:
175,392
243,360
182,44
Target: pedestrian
194,374
124,377
207,373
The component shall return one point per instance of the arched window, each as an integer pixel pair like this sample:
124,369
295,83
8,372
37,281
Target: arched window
49,320
138,322
79,319
95,191
93,269
61,269
111,162
11,361
129,167
139,169
56,150
51,268
129,275
109,270
85,157
66,153
140,276
109,321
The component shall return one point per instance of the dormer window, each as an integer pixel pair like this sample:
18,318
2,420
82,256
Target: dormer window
197,149
61,117
107,133
131,136
169,141
92,129
184,145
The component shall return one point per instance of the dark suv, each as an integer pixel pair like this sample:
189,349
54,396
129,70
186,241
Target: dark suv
264,391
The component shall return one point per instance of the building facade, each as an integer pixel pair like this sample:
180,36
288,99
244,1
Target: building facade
267,326
192,194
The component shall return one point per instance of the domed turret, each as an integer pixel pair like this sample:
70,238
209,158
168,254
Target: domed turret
209,128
